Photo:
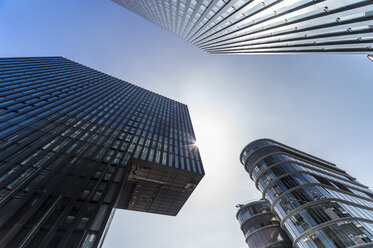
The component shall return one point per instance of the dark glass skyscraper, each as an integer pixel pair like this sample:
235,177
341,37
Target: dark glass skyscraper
264,26
75,144
318,204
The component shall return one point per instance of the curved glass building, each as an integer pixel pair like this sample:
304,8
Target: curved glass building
260,226
318,204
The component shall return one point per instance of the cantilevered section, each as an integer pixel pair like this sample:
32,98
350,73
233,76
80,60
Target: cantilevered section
265,26
317,204
157,188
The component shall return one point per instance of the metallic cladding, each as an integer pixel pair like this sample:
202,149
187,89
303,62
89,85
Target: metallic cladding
265,26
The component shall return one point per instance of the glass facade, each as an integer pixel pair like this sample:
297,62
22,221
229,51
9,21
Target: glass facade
260,226
318,204
76,143
265,26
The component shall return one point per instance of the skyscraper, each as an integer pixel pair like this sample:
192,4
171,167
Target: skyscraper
260,226
76,144
264,26
318,204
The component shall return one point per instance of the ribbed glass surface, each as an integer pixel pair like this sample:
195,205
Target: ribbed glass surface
265,26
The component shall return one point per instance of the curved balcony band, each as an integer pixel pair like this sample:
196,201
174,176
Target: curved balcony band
263,168
260,143
309,194
310,216
260,226
290,180
347,232
268,155
318,204
270,160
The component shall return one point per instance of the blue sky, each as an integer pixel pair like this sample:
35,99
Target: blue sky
321,104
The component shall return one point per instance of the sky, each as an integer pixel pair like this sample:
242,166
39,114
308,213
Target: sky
321,104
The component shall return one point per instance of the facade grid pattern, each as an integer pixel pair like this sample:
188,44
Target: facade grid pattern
70,139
